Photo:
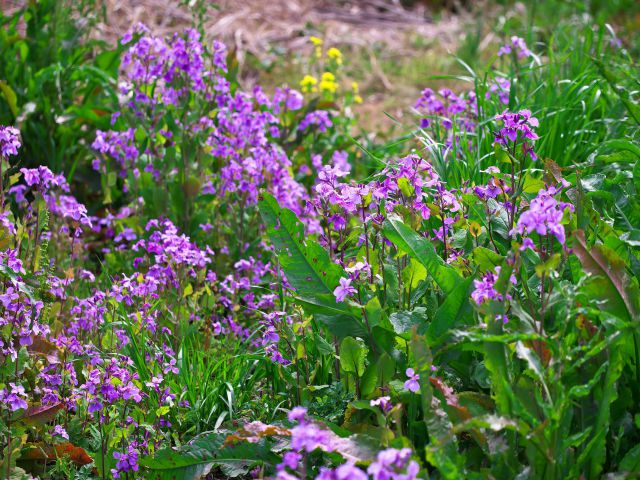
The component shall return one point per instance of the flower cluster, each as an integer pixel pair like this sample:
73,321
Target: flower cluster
9,141
14,397
108,385
544,217
517,128
412,384
515,45
485,288
394,464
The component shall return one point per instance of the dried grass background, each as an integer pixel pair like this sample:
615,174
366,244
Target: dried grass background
391,47
263,32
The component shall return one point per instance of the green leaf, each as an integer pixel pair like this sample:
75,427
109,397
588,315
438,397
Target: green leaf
10,97
631,461
621,144
338,324
308,267
352,356
403,322
196,459
369,380
631,238
413,274
610,282
452,310
595,452
527,354
532,185
442,449
549,266
486,259
408,241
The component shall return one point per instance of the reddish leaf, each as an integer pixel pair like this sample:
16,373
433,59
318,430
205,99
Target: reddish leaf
39,451
40,414
43,347
451,399
611,282
254,431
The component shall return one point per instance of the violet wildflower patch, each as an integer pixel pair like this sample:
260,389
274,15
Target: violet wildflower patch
216,278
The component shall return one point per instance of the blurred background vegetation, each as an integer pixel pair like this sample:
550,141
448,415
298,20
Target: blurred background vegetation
62,79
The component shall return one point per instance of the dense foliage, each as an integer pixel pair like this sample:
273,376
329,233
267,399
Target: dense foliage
252,287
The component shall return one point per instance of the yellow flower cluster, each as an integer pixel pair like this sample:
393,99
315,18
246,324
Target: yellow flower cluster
308,84
317,42
356,97
335,55
328,83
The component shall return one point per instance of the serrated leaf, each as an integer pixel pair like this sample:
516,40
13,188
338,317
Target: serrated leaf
308,267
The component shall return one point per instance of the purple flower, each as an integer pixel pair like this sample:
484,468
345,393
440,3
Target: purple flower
343,290
485,287
14,398
294,100
394,464
544,217
383,402
9,141
310,436
346,471
319,118
298,414
518,127
412,384
518,45
126,462
59,431
501,87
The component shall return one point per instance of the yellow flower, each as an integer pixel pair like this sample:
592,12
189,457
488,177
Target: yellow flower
328,86
308,83
354,87
328,83
318,44
357,99
335,54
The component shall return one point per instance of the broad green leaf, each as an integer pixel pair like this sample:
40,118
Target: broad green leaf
413,274
404,321
610,282
534,363
352,356
631,237
307,265
486,259
10,97
549,266
410,242
308,268
451,312
369,380
594,454
532,185
196,459
631,461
